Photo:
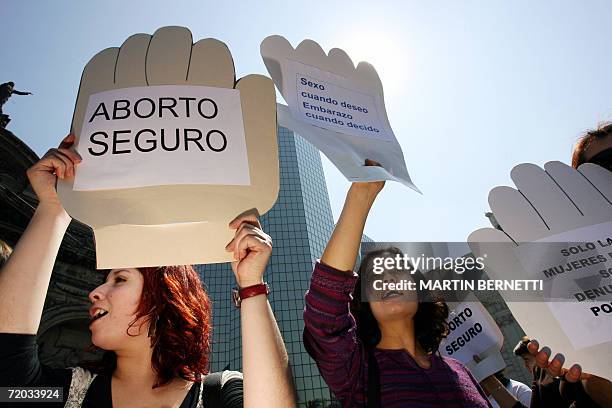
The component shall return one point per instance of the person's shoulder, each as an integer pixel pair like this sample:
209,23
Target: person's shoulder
453,363
81,372
232,391
228,375
80,382
456,365
518,385
80,377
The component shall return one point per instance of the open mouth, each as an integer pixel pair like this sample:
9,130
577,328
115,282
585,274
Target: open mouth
99,314
391,294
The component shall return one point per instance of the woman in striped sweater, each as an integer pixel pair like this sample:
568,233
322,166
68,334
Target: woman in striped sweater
382,353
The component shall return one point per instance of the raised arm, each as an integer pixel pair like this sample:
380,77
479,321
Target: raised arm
342,249
329,329
24,279
267,375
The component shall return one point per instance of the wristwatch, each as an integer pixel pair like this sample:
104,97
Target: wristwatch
239,294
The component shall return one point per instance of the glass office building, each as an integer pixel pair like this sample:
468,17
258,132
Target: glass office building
300,224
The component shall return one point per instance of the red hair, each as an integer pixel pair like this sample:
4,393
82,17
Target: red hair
578,155
179,312
175,303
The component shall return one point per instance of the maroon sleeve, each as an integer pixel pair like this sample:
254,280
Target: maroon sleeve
477,385
330,331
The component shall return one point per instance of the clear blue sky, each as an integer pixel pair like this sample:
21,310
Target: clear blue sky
472,88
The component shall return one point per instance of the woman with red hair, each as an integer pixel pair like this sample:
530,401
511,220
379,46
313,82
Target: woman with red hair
154,323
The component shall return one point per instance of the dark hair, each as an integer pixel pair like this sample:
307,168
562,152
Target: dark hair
521,348
5,252
179,311
429,321
583,144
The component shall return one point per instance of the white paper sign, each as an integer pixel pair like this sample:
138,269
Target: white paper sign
330,101
337,107
162,135
349,153
576,265
473,332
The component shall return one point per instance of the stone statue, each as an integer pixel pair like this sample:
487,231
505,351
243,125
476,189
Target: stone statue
7,89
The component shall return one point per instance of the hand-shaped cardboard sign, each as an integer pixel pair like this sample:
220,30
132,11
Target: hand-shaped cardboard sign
173,149
473,332
338,108
557,227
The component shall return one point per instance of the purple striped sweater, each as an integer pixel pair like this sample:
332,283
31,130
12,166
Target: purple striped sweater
330,338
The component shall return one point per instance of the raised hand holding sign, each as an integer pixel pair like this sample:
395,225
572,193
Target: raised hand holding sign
337,107
173,149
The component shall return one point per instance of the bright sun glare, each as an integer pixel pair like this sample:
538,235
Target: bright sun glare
383,51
